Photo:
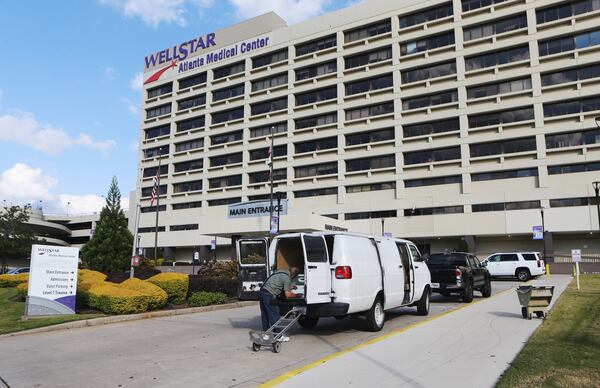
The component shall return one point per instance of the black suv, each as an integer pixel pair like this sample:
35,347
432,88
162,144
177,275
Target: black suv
460,273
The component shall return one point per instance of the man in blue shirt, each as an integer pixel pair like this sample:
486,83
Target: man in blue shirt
279,283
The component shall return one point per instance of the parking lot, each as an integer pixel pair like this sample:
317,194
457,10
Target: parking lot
207,349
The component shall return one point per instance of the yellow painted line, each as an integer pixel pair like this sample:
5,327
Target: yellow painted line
288,375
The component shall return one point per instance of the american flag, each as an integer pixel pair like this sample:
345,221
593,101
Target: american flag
154,190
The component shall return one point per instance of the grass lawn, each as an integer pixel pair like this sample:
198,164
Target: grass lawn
565,350
11,310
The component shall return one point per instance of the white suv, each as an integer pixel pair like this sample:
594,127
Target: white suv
522,265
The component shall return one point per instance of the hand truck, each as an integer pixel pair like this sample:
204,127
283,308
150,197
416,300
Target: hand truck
271,337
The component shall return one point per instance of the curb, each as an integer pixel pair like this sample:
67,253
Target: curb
131,317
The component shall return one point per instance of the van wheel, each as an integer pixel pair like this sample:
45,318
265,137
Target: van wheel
486,290
423,306
523,274
376,315
467,294
308,322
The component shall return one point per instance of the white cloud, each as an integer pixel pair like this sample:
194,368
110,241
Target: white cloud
137,82
125,203
22,128
131,106
1,95
80,204
293,11
152,12
24,184
109,73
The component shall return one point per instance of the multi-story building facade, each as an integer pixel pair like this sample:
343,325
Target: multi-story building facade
432,120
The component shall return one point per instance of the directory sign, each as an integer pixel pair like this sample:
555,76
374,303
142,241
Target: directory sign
538,233
52,280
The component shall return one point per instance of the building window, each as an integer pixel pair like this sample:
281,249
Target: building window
487,207
571,75
192,81
371,187
195,122
428,211
225,181
573,139
427,43
151,171
228,115
496,27
563,11
428,72
316,145
316,192
503,147
264,176
367,85
497,58
316,70
429,156
261,197
163,130
431,128
263,153
570,202
266,130
502,206
512,86
367,58
186,205
501,117
372,163
179,228
224,160
370,137
316,170
270,58
316,121
193,102
227,137
158,111
426,16
226,93
226,71
369,111
190,165
224,201
365,32
150,229
271,82
184,187
189,145
146,209
470,5
573,168
157,151
147,191
572,107
569,43
269,106
441,180
522,205
316,96
316,45
506,174
160,90
445,97
370,215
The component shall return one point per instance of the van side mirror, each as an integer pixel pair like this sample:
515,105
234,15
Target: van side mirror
484,263
425,256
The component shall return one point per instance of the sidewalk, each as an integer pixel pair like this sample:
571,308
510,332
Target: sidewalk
469,347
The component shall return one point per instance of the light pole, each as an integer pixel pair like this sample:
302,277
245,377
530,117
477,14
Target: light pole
68,204
272,133
543,234
596,185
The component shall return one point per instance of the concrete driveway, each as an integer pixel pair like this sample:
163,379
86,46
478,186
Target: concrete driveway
209,349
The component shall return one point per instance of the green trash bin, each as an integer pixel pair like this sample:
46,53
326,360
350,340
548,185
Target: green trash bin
535,300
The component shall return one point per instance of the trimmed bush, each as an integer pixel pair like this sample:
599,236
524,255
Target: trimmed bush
112,299
22,290
13,280
85,280
199,299
219,269
175,284
157,297
224,285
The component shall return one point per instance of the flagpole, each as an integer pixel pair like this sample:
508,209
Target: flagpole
157,204
271,181
135,238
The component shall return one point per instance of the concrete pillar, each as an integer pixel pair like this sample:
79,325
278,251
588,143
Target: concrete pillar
234,240
549,247
168,253
470,240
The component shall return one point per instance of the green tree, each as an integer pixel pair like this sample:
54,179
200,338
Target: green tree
110,247
16,237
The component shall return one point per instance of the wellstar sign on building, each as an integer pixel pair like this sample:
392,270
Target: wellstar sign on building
435,121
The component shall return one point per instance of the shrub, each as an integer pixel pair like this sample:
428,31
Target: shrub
13,280
199,299
112,299
157,297
89,276
224,285
218,269
22,290
175,284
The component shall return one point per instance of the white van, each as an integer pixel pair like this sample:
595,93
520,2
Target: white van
344,273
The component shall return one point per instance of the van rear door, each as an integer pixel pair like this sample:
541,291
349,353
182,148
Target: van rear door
317,270
252,266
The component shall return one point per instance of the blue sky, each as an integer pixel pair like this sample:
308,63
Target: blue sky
70,90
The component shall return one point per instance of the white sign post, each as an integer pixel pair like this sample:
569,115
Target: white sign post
52,280
576,257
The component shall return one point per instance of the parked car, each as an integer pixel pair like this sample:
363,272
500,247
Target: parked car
522,265
460,273
16,271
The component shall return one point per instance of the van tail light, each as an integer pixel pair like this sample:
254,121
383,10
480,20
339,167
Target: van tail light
343,272
458,273
539,263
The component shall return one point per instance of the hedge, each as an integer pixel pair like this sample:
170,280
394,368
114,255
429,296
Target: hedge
112,299
224,285
175,284
199,299
157,297
13,280
85,280
22,290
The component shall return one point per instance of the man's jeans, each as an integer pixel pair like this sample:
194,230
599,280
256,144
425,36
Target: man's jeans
268,312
